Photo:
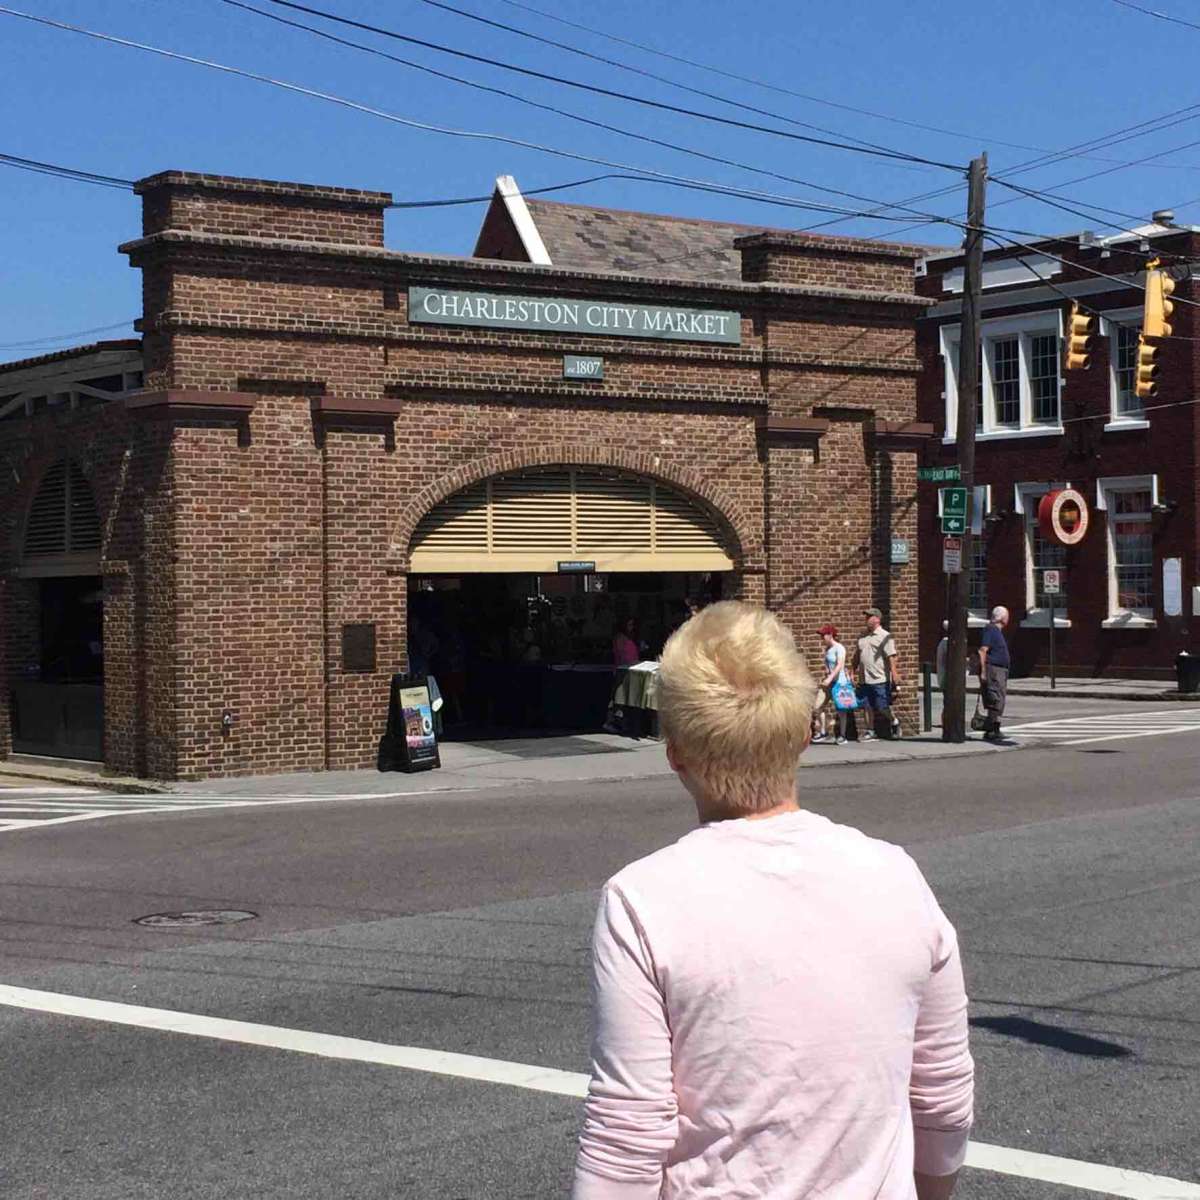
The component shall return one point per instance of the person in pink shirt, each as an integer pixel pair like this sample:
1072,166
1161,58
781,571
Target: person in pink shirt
626,650
780,1009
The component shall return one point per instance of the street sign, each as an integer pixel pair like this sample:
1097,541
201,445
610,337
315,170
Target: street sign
954,502
938,474
899,550
1051,581
952,555
954,509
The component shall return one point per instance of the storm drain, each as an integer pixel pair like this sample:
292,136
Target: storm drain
195,917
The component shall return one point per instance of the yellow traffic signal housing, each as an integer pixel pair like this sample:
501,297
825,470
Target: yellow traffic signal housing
1146,383
1081,338
1159,286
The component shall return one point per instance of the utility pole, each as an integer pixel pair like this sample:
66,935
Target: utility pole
954,698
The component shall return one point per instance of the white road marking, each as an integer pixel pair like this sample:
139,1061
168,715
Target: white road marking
1026,1164
60,810
1107,727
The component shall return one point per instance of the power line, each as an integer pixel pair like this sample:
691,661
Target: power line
562,112
448,131
1140,129
34,343
759,83
1162,16
624,66
660,105
44,168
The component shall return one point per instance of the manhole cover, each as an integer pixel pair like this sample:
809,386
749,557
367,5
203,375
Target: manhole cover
199,916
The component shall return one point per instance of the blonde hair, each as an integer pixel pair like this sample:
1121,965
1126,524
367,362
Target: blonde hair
735,701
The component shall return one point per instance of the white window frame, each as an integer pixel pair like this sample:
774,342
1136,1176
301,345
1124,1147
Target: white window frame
1025,496
1110,323
1106,486
1024,327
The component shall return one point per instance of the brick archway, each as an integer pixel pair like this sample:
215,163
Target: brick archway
747,548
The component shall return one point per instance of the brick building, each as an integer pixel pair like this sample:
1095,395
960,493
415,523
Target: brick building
327,461
1128,604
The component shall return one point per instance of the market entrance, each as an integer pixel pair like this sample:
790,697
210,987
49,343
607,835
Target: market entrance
56,641
523,587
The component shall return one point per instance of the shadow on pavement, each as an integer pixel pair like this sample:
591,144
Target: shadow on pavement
1038,1034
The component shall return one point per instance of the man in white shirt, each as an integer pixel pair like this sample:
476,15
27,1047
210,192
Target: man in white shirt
875,660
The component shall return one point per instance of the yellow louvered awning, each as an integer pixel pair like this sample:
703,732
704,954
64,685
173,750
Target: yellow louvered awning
530,521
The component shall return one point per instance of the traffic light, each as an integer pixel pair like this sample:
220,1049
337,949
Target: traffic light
1159,286
1146,384
1081,336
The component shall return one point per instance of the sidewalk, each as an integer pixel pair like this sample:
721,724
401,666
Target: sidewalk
1156,690
584,758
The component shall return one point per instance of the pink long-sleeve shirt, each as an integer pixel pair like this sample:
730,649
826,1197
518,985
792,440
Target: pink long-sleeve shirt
780,1013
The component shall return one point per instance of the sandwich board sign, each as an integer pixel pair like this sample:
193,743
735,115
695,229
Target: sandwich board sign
410,743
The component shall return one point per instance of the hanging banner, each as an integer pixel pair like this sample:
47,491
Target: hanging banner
1063,516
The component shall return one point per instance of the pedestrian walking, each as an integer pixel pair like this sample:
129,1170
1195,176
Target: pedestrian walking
994,663
779,1001
836,687
875,664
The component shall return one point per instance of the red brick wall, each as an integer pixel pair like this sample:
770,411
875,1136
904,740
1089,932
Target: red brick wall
1086,452
261,208
240,559
826,262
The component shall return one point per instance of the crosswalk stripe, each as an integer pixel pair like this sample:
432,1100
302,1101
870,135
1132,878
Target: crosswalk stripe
1106,727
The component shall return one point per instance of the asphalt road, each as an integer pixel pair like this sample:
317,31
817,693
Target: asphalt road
461,923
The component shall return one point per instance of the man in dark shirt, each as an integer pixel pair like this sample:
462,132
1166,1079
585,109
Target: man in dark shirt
993,672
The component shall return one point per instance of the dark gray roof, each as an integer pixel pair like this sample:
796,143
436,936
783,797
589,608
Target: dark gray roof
581,238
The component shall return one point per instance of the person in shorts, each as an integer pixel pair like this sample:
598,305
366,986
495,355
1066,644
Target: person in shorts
835,673
875,666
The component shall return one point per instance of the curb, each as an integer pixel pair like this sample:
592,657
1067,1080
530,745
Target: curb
109,783
1080,694
135,787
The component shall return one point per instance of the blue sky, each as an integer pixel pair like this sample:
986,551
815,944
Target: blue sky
1036,75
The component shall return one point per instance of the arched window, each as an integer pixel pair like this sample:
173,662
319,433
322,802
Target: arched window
534,520
63,525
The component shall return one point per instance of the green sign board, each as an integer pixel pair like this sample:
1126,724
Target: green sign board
954,502
954,509
562,314
938,474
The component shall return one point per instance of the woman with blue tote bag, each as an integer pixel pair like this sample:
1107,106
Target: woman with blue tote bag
836,684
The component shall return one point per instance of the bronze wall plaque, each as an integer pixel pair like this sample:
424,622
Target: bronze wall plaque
358,647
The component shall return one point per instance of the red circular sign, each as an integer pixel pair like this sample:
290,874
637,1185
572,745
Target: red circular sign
1063,516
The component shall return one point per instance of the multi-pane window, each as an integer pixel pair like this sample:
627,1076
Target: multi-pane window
1020,378
1125,348
1006,381
1043,378
1131,551
978,600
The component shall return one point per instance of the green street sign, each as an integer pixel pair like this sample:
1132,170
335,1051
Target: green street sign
954,502
954,524
938,474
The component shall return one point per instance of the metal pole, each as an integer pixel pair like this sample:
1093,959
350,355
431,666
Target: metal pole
954,696
927,694
1053,683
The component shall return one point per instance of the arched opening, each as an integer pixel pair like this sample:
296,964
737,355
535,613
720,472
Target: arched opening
56,643
523,585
